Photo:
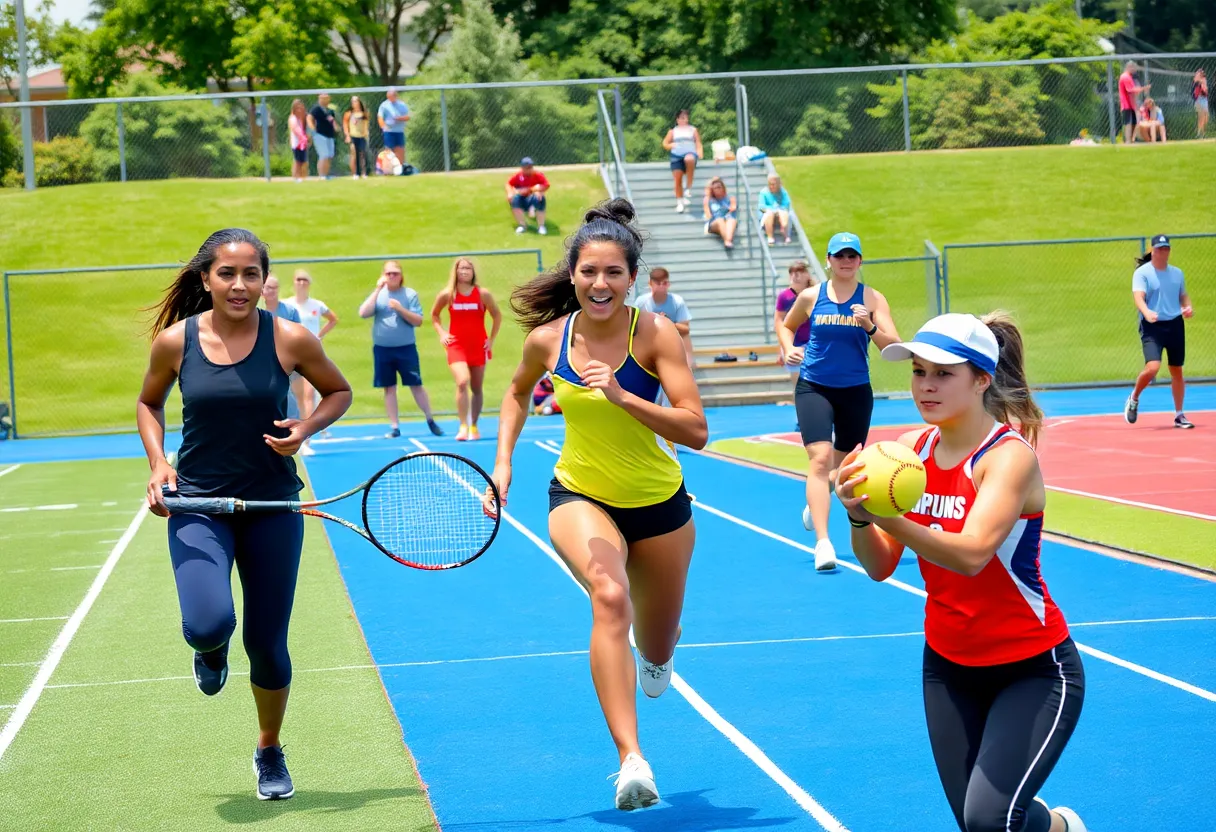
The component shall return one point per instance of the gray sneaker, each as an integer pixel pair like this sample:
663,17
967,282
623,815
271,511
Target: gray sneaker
274,783
1131,410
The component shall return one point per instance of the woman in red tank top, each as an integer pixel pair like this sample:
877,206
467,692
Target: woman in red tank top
465,339
1002,680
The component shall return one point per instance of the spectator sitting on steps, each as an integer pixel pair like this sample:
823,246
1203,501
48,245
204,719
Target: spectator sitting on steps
775,208
668,304
721,216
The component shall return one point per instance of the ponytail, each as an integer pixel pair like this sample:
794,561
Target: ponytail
1008,398
1144,258
550,295
186,296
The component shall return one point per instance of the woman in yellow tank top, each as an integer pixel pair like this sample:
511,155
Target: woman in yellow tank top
618,512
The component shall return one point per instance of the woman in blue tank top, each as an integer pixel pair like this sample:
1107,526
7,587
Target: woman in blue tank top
232,361
833,393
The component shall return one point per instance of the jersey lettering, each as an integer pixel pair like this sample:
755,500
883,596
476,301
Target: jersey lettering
835,319
939,506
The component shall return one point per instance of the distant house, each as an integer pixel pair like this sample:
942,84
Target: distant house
47,85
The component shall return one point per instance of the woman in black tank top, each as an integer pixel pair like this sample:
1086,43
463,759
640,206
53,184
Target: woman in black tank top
232,361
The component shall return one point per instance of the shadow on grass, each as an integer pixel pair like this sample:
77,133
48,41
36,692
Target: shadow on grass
685,811
246,808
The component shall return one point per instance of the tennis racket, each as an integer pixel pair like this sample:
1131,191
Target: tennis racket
428,510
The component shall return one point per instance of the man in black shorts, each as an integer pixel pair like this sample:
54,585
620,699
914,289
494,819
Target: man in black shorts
1159,291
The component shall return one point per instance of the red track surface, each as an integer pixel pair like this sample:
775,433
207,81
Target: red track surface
1150,463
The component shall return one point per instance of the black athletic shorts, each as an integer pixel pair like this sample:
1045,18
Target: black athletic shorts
847,409
1164,336
1129,117
634,523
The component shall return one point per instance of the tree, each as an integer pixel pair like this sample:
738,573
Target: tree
494,127
372,43
164,139
286,44
39,31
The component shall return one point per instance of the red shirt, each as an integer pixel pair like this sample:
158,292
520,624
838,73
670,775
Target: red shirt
1003,614
529,181
468,319
1126,97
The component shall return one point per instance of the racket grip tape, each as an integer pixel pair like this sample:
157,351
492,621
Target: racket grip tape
200,505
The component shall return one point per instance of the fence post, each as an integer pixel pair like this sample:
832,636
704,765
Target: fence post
8,343
540,263
1110,99
945,298
122,147
620,122
738,113
443,116
907,115
27,113
265,137
599,122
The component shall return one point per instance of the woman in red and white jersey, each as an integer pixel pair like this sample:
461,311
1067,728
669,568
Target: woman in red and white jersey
1003,681
465,340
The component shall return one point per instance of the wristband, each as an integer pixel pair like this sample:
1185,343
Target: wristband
872,331
858,524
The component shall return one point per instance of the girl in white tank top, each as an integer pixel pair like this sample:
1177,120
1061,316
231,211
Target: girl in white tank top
683,142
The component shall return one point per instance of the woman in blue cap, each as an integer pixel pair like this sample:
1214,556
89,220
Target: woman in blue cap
833,396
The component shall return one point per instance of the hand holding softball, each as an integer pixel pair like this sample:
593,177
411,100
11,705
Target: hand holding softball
845,480
886,479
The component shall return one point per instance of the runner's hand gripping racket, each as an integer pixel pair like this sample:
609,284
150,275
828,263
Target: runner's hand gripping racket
427,510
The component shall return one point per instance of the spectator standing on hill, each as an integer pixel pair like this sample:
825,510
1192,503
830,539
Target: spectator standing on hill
297,128
311,311
398,313
683,142
721,212
392,116
775,208
1199,93
468,346
1127,99
661,301
1159,292
526,193
322,120
355,125
833,396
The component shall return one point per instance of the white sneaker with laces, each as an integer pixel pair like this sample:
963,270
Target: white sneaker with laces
806,519
1072,821
635,787
654,678
825,555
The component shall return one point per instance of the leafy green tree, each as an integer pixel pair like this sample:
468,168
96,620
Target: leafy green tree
39,31
164,139
494,127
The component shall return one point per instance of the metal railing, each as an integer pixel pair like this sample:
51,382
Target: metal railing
618,186
98,367
768,269
1052,101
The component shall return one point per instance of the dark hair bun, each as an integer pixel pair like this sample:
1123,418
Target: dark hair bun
618,210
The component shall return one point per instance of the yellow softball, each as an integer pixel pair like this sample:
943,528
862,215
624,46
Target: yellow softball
895,478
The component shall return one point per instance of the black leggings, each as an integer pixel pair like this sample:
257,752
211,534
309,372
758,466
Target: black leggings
266,551
997,732
359,148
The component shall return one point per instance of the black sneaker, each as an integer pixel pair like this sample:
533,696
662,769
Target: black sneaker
211,671
1181,421
434,426
393,434
1131,410
274,783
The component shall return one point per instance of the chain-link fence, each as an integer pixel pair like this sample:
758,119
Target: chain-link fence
481,126
1072,300
77,340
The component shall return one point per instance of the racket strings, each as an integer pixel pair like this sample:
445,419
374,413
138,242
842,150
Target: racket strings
428,510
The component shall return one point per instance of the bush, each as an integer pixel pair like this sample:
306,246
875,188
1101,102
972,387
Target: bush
62,161
10,148
254,165
164,139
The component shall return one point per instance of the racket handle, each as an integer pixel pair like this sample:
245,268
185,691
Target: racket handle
200,505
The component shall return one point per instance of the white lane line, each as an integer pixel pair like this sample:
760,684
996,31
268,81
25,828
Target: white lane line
736,737
55,507
1133,503
1132,666
60,645
27,620
10,469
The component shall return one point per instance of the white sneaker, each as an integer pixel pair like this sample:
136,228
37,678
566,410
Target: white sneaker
519,229
306,450
1072,821
635,787
806,519
542,231
825,555
679,206
654,678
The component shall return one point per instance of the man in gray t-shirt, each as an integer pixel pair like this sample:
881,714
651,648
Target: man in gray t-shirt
398,313
1159,293
661,301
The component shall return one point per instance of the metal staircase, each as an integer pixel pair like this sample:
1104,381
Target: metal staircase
730,293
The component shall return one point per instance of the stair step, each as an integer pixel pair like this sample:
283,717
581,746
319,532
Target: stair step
766,367
731,399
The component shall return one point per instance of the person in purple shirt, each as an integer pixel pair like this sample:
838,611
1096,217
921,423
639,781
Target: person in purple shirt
800,279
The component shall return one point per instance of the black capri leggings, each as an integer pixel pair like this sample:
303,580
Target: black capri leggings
997,732
847,409
266,551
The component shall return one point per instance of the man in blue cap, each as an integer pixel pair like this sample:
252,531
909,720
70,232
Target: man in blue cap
1159,292
526,193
